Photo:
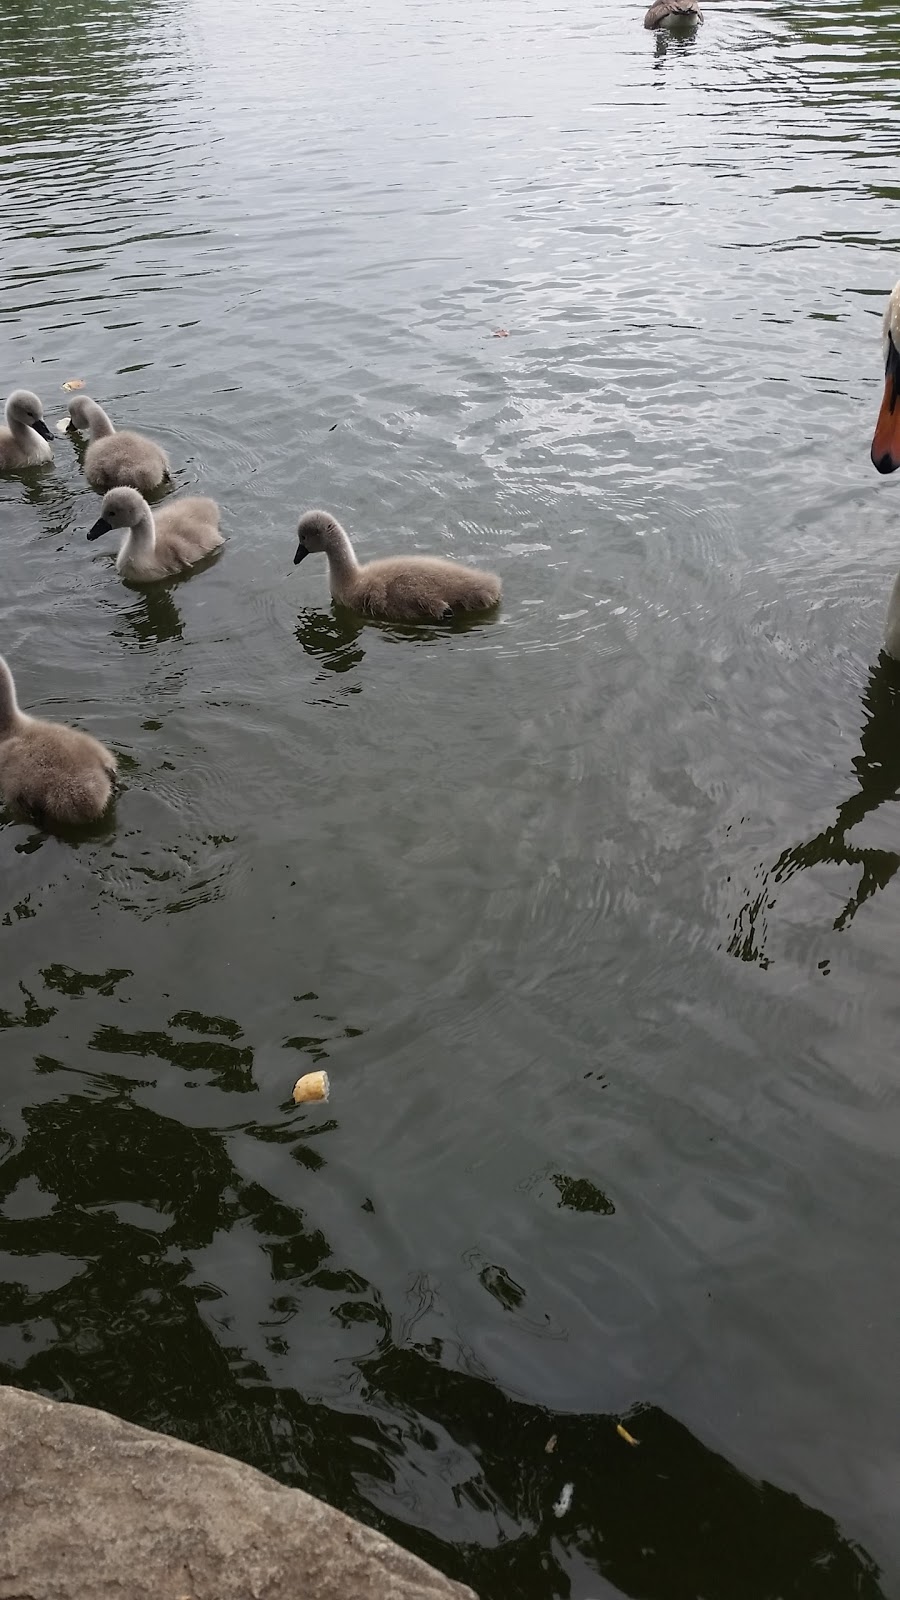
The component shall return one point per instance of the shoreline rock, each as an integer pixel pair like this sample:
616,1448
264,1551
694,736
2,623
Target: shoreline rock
93,1508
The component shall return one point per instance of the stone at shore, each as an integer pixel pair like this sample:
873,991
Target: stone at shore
92,1508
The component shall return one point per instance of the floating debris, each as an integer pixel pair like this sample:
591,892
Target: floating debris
73,383
624,1434
500,333
550,1446
565,1500
312,1086
579,1194
63,425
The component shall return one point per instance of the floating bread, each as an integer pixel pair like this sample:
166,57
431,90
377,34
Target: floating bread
624,1434
564,1503
312,1086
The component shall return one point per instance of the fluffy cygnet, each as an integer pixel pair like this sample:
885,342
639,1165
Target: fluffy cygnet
162,544
56,774
399,588
673,14
115,458
23,442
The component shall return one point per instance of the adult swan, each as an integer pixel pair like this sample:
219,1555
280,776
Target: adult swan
886,444
886,440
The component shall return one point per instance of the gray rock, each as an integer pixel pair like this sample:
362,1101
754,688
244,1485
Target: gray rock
92,1508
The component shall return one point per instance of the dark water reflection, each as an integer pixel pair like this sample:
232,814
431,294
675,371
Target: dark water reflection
153,618
110,1209
580,1164
877,771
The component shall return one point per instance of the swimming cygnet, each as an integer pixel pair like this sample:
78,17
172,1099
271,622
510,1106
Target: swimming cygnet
55,773
116,458
161,545
23,442
673,14
400,588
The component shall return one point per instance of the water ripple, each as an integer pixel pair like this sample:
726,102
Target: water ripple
591,908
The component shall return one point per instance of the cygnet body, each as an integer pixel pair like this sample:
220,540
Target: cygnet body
398,588
55,773
24,440
163,544
112,458
673,14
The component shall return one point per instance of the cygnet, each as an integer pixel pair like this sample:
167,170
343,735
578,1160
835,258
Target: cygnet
160,544
397,588
54,773
115,458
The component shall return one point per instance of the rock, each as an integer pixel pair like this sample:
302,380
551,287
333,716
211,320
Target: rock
92,1508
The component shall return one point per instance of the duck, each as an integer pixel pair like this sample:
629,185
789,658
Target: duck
673,14
112,458
161,545
54,773
24,442
398,588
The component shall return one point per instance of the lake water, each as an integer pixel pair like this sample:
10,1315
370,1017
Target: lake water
590,912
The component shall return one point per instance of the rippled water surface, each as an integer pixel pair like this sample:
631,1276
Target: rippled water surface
590,912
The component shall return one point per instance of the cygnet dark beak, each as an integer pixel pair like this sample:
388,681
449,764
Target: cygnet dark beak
301,555
100,527
41,427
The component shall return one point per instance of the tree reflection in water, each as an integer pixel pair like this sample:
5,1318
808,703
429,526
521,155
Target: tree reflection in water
877,769
118,1293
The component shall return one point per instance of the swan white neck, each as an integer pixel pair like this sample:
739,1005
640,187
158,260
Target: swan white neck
99,423
892,623
11,717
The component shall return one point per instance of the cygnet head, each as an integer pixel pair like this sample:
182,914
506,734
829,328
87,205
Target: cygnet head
25,407
121,508
886,440
80,413
318,530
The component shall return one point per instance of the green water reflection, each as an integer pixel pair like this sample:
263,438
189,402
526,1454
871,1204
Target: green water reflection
106,1309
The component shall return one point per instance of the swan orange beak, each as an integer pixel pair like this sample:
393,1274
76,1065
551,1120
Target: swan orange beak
886,439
